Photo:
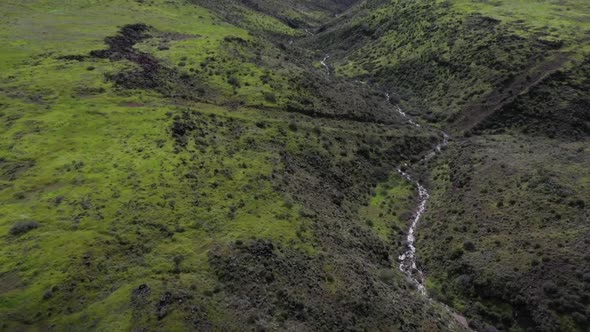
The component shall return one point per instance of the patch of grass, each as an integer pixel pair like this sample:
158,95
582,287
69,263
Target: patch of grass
116,197
390,208
567,20
443,57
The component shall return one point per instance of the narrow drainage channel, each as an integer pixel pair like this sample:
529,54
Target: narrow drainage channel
407,259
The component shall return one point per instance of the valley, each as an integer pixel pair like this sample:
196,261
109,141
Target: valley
378,165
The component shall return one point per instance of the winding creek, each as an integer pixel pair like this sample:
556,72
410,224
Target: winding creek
402,113
323,62
407,260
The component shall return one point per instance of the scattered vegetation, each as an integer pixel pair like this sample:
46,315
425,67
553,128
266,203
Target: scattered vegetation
188,165
186,173
509,81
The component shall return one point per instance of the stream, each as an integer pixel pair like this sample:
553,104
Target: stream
402,113
407,260
323,62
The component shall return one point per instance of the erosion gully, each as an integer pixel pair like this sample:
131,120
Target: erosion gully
407,260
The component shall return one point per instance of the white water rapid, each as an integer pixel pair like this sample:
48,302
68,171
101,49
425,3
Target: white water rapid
323,62
402,113
407,260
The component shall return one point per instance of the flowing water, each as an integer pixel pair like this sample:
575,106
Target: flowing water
402,113
407,260
323,62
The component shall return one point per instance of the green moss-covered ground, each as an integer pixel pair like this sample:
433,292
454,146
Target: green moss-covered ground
390,208
117,204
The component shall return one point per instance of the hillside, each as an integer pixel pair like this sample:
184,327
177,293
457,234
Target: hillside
195,165
164,168
505,239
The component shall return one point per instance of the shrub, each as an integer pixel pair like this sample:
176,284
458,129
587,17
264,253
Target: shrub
469,246
364,151
387,276
456,253
234,81
270,97
48,294
22,227
289,202
549,287
463,282
580,318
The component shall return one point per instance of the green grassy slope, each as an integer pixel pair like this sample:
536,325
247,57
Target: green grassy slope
451,59
163,169
512,218
188,165
302,14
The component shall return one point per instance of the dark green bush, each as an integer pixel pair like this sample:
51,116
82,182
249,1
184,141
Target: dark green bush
270,97
22,227
469,246
549,287
234,81
387,276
